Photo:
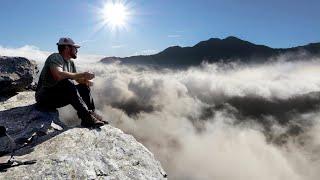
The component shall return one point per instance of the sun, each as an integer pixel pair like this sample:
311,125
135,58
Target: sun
115,15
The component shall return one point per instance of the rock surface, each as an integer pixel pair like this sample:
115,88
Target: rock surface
81,153
23,121
76,153
16,74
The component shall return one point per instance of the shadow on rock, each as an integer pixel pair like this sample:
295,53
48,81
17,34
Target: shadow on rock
28,127
5,97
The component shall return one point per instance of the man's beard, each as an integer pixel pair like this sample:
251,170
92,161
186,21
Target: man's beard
73,56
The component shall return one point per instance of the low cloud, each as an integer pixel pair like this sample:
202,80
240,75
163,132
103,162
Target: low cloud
118,46
28,51
34,53
174,36
86,41
146,52
219,121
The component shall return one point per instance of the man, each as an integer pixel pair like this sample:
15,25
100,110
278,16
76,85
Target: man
56,87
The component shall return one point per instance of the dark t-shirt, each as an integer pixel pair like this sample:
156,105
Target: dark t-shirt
46,79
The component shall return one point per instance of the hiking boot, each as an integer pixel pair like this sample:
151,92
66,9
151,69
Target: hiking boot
88,120
100,118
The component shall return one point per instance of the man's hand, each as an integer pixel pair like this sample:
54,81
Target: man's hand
84,78
86,75
85,82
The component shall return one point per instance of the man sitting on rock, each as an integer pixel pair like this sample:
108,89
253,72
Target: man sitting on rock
56,87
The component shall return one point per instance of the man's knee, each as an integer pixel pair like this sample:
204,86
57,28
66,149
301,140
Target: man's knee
83,88
65,82
66,85
57,96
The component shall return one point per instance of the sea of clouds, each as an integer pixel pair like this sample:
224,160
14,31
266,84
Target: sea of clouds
217,121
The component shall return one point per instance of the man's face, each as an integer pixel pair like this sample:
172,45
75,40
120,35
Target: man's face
73,52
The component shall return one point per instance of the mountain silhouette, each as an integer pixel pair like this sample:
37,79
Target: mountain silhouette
215,50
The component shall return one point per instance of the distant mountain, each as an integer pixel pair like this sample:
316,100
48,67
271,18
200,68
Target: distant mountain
214,50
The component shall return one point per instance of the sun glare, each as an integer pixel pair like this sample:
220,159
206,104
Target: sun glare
115,15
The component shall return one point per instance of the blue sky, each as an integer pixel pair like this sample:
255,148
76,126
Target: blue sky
155,25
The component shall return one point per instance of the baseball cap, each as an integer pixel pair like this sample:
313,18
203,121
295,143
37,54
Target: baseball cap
67,41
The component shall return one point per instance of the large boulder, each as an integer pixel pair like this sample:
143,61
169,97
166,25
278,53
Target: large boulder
16,74
74,153
24,123
80,153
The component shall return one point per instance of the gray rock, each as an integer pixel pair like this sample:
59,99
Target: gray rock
81,153
24,123
6,145
16,74
24,98
76,153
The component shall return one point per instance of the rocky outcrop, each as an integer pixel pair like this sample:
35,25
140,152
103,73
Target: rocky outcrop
24,123
106,153
16,74
74,153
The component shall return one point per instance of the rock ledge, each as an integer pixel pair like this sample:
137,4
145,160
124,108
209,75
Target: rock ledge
76,153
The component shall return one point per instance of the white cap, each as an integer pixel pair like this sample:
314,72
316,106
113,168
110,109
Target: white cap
67,41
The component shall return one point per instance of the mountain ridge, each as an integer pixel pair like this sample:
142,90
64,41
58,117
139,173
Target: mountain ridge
214,50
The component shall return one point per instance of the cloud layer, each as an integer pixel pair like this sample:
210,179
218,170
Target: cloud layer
34,53
28,51
216,121
219,121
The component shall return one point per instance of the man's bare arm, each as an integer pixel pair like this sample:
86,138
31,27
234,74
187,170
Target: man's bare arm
58,74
